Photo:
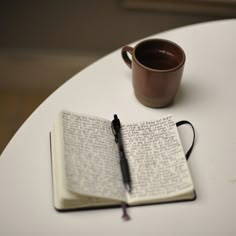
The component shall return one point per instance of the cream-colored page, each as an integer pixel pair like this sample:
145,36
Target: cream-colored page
91,157
157,162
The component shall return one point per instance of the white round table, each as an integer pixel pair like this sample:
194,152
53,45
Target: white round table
206,98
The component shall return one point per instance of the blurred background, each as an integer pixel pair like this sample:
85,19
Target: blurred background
44,43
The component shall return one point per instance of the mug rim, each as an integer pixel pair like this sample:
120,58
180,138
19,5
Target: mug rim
160,40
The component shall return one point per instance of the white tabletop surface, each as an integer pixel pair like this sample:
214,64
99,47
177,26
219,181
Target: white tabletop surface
206,98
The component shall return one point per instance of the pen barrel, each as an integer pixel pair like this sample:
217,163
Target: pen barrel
125,170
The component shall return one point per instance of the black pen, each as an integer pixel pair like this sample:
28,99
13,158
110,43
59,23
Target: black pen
116,128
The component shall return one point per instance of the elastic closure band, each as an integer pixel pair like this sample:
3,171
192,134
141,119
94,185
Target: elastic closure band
185,122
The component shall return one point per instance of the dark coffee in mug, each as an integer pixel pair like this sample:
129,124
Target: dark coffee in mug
157,66
160,60
157,55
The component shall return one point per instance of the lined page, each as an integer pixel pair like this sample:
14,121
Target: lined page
91,157
157,162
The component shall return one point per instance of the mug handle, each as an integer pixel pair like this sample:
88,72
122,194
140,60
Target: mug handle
124,52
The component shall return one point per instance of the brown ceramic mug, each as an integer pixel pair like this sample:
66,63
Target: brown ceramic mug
157,67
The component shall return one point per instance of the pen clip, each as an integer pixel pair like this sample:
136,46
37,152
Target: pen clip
115,126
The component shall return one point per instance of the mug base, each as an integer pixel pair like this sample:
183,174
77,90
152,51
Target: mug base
153,103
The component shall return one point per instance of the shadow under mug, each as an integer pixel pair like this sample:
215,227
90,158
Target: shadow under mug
157,67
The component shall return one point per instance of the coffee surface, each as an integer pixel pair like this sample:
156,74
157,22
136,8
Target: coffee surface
158,60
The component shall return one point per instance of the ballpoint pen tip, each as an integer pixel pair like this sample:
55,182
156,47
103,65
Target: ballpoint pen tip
128,187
